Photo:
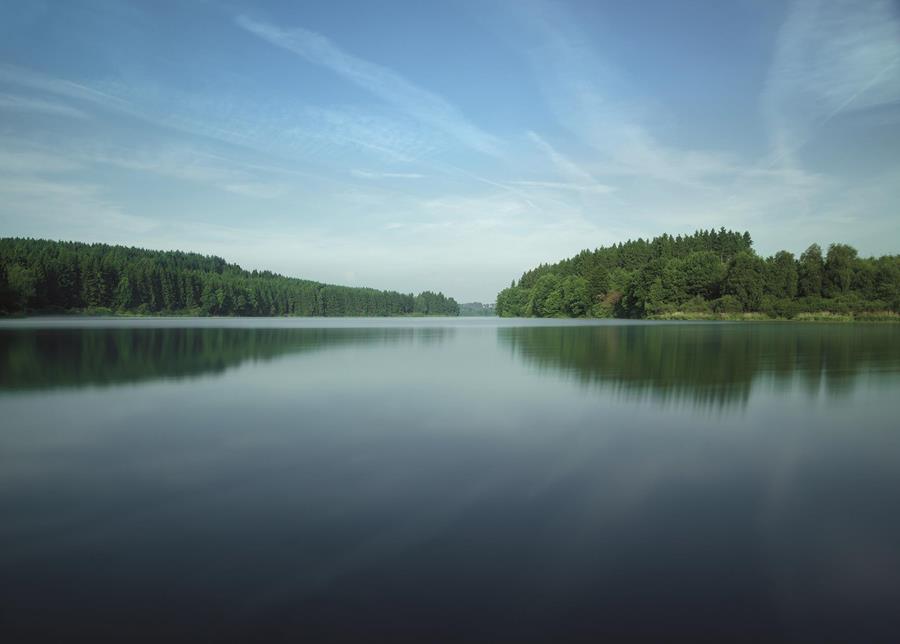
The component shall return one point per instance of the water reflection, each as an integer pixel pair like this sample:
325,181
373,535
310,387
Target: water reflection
705,365
77,357
449,482
709,364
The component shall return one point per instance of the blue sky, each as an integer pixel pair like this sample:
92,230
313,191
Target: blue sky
414,145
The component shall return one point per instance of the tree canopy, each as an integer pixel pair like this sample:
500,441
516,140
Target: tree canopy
710,271
476,309
39,276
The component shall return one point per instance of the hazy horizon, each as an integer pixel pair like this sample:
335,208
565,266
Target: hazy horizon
410,146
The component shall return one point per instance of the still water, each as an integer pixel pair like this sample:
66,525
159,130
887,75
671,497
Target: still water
476,480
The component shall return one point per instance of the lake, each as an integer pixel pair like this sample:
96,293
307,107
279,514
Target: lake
476,480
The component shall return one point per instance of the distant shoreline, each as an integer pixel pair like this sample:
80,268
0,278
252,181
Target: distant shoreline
106,313
673,316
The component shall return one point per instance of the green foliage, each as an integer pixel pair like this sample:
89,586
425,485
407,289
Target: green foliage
780,307
6,292
710,272
887,281
727,304
574,296
811,272
703,272
20,285
744,280
546,298
839,265
47,276
696,305
781,275
476,309
430,303
512,302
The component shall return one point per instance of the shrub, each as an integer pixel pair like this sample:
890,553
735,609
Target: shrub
727,304
696,305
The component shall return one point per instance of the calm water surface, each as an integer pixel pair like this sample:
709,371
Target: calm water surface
430,480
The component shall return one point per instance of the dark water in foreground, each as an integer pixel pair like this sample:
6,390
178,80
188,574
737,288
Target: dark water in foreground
432,480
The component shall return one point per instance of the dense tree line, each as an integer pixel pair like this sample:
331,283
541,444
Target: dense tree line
476,309
48,276
707,272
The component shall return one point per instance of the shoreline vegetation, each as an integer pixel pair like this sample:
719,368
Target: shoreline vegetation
102,312
64,278
709,275
671,316
820,316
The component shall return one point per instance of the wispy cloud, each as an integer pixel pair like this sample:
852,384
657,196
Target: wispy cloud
597,104
385,83
595,188
256,190
831,57
181,162
54,205
567,167
580,180
13,102
17,158
321,136
31,79
368,174
385,137
187,163
403,178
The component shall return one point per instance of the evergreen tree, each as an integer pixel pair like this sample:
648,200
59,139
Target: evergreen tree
45,276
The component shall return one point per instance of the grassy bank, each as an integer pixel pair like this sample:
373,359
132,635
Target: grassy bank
820,316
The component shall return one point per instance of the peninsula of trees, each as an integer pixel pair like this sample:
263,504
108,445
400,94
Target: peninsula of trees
38,276
709,273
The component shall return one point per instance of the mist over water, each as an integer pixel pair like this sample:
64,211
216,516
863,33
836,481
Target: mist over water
486,480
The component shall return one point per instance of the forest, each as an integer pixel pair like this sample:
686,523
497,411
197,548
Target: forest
39,276
476,309
713,273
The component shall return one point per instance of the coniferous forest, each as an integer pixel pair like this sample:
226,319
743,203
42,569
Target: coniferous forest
38,276
709,273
